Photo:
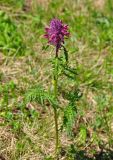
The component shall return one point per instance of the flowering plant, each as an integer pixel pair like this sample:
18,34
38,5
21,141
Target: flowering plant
56,34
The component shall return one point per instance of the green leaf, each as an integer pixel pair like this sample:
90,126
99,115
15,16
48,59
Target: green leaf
65,54
38,94
69,118
82,135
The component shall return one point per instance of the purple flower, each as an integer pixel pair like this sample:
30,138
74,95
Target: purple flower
56,33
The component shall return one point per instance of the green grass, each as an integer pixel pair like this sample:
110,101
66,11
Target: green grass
27,129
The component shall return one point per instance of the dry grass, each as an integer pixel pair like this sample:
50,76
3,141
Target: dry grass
36,140
100,4
7,143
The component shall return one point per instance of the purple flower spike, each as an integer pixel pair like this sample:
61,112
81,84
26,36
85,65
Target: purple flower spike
56,33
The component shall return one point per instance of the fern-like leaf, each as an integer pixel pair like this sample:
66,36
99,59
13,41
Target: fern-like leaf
69,118
39,95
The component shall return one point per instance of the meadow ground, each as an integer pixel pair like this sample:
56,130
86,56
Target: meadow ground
27,130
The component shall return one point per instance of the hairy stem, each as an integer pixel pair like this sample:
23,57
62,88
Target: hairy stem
56,130
55,109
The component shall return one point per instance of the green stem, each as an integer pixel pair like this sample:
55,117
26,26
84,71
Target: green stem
55,109
56,131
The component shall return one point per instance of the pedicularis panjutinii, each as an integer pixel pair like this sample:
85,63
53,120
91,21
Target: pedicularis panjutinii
56,34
